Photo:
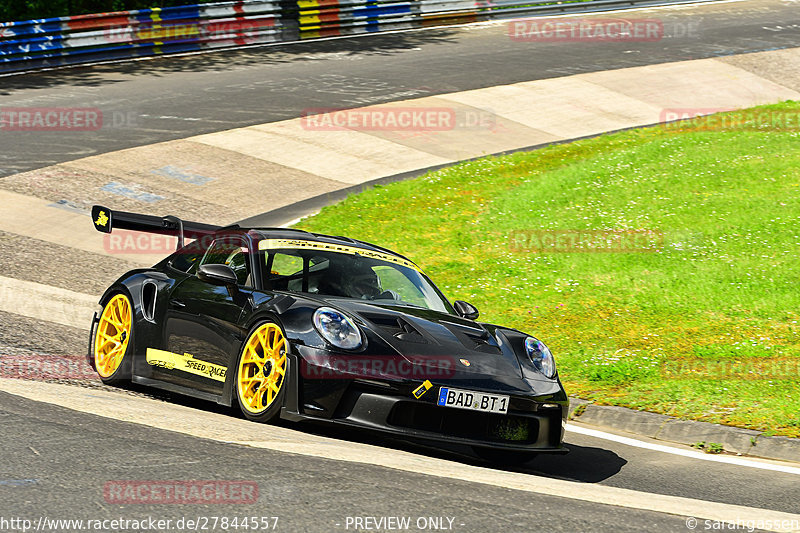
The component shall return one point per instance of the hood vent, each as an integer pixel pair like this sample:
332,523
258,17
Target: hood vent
409,333
477,339
397,327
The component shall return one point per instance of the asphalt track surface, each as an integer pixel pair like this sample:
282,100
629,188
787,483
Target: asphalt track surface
62,459
55,461
174,97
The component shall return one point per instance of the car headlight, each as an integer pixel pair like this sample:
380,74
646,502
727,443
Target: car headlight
337,329
541,357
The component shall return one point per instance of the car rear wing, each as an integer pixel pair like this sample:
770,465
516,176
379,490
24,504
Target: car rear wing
105,220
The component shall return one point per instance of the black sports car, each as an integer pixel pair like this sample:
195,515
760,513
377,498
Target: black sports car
304,326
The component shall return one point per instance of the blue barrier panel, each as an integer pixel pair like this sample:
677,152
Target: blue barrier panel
58,41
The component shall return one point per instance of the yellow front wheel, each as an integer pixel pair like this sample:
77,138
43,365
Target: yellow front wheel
261,373
112,338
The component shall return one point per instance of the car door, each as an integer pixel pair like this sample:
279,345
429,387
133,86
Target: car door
202,331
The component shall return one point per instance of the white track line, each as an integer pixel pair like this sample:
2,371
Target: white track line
44,302
683,453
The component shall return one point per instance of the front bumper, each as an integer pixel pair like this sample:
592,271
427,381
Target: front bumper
534,422
541,430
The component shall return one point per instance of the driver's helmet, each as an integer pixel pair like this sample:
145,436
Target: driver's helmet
362,282
351,278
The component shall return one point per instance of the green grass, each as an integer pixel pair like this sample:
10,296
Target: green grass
709,447
625,327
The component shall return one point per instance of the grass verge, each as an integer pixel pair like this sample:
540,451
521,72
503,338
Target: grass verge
702,324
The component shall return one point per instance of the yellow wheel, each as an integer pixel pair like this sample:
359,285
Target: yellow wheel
261,373
112,337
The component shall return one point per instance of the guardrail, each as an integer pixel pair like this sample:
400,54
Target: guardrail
326,18
33,44
36,44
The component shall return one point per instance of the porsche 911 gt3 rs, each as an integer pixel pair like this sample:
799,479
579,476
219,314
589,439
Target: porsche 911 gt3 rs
304,326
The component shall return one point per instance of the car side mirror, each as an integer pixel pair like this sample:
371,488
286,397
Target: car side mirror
217,275
466,309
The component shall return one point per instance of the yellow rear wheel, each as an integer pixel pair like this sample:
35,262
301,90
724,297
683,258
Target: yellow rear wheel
261,373
112,336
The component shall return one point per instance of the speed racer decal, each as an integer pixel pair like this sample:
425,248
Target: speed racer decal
185,363
301,244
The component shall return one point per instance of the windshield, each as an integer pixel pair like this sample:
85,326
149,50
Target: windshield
372,276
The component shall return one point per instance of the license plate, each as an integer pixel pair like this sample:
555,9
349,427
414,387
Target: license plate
476,401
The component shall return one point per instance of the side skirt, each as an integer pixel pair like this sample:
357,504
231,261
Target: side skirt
179,389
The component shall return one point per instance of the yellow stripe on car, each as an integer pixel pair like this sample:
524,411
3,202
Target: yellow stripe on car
185,363
301,244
